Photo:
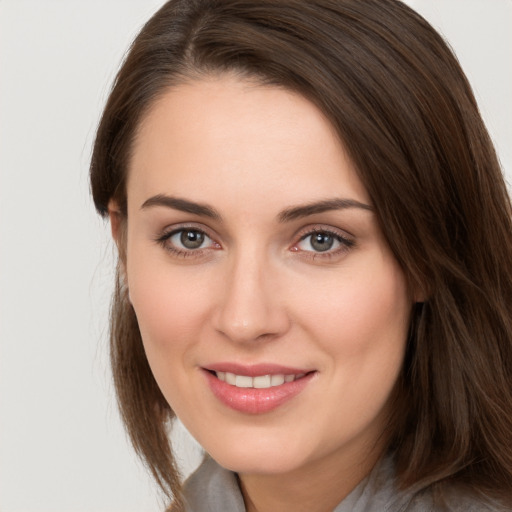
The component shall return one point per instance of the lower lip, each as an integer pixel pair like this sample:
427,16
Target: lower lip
253,400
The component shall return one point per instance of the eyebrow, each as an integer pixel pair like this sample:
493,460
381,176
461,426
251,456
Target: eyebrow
183,205
298,212
287,215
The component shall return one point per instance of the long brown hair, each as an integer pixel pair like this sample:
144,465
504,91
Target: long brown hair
405,112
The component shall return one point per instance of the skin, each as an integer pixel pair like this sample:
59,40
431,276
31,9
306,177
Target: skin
258,291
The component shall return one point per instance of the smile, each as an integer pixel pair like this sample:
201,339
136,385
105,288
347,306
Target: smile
266,388
260,382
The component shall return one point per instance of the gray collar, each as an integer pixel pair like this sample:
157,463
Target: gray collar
211,488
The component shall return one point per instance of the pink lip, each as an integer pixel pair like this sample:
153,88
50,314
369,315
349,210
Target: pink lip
252,400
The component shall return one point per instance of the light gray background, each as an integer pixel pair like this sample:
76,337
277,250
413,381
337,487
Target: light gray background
62,448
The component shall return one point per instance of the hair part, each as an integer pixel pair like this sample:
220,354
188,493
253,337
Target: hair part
406,114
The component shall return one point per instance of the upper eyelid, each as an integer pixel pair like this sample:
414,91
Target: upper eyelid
343,240
322,228
176,228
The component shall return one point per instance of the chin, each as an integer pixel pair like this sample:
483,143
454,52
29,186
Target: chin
258,463
263,455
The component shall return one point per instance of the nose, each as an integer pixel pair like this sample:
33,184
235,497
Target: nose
250,307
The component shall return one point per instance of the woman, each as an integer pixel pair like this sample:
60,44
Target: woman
314,259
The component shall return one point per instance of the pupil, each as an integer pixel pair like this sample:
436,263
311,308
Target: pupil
322,242
192,239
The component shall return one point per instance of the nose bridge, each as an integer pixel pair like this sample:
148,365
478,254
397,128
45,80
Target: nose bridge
250,309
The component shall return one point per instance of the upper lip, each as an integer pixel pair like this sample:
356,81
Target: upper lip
256,370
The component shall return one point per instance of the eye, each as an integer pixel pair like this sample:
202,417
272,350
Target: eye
186,241
321,241
189,238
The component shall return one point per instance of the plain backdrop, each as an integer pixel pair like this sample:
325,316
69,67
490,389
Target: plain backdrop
62,447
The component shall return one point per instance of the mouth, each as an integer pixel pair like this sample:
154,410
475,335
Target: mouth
259,382
256,389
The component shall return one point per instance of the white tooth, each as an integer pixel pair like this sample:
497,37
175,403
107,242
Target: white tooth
277,380
299,376
289,378
263,381
221,376
243,381
230,378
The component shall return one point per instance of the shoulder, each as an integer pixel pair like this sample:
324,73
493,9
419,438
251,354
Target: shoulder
452,499
381,492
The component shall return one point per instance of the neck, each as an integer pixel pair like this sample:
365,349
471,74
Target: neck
319,486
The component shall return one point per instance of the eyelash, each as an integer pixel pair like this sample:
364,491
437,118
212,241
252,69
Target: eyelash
345,243
164,239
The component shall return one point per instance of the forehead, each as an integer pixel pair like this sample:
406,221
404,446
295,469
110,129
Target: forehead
230,136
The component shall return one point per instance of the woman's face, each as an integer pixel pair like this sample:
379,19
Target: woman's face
273,313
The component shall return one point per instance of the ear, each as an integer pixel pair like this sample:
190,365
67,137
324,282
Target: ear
118,228
114,214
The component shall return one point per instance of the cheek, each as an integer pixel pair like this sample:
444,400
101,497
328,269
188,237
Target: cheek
361,325
170,306
171,310
363,313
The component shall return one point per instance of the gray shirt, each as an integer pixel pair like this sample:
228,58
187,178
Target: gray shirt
212,488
